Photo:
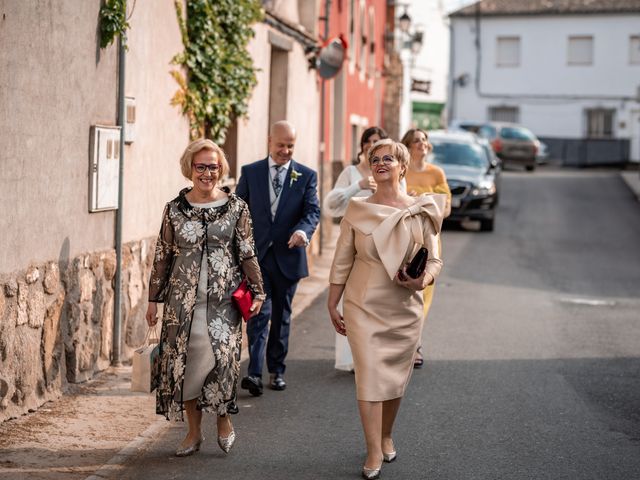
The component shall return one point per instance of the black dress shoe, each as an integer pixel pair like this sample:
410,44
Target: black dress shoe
253,384
277,382
232,408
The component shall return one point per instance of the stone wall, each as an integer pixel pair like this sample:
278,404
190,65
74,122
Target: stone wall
56,323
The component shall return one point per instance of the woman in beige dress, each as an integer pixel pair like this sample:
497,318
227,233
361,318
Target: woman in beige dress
383,306
204,248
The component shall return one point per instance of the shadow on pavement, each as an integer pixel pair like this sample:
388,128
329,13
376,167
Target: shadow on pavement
521,419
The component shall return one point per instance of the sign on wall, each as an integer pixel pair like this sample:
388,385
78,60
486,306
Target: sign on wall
104,167
422,86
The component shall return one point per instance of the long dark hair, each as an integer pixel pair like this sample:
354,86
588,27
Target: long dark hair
369,132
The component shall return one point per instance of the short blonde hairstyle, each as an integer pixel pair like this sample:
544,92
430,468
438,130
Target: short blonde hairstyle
195,147
398,150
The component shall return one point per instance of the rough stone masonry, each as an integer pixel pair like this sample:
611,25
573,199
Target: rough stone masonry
56,323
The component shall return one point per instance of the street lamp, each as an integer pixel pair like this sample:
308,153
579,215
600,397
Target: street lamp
410,39
416,42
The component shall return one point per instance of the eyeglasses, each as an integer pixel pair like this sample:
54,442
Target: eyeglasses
386,159
203,167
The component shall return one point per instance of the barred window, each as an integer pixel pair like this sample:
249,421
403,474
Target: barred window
504,114
600,123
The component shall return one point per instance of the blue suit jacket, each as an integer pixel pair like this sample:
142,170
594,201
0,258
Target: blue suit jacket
298,209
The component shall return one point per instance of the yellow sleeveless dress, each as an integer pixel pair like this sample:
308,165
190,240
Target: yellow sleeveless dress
428,181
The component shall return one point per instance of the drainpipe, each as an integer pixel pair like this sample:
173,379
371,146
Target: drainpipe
327,7
452,81
116,359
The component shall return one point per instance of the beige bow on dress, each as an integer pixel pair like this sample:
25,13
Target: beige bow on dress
399,232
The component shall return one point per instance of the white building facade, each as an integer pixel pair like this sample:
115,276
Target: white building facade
571,75
429,69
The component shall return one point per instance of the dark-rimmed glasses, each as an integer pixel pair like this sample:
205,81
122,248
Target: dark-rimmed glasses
203,167
385,159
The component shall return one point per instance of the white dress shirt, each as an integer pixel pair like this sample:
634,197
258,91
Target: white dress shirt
275,200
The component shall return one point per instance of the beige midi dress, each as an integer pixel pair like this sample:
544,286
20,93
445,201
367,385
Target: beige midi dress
384,320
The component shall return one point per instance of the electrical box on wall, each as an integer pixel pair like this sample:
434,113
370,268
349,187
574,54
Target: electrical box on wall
104,168
130,116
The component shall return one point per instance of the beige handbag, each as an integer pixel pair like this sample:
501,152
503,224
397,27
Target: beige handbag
146,364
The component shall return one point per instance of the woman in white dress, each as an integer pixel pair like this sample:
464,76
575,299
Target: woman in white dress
354,181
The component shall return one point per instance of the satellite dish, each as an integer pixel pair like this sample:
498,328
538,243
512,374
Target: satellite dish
331,57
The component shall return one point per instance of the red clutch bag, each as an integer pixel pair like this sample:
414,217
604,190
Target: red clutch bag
243,299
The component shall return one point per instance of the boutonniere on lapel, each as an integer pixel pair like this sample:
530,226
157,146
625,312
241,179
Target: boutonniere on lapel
294,177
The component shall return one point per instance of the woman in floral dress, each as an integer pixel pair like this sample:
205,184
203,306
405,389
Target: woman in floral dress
204,249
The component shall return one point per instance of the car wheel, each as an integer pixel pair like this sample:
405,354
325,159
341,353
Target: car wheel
530,168
486,225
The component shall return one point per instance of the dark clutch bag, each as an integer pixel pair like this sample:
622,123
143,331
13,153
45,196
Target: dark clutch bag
243,298
418,263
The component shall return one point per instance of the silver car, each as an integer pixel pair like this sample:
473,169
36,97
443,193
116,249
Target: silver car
513,143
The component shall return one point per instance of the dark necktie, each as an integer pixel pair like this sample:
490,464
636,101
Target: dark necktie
277,182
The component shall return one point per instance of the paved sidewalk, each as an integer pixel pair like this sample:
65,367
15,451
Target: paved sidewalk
97,426
632,179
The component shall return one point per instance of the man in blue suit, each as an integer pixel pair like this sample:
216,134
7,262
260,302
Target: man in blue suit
283,200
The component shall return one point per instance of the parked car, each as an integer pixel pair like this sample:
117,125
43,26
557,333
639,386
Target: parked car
514,144
472,174
465,125
494,161
542,156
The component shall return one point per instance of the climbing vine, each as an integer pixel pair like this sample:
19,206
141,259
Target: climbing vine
218,74
113,21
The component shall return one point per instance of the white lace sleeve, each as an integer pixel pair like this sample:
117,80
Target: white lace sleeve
336,201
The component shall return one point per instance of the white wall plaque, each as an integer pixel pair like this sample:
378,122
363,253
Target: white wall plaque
104,166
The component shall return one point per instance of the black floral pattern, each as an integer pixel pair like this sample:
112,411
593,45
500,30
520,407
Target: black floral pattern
225,235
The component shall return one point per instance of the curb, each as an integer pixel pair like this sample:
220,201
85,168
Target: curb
632,179
133,448
308,290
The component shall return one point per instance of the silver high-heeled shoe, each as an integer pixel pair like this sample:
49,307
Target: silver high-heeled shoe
370,473
226,443
389,457
190,450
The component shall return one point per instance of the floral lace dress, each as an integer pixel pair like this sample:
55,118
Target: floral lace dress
224,236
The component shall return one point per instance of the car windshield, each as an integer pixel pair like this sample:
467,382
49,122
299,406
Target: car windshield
516,133
454,153
470,127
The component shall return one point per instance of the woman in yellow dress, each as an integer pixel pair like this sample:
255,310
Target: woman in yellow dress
423,177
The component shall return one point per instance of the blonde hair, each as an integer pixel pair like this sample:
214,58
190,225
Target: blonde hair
398,150
195,147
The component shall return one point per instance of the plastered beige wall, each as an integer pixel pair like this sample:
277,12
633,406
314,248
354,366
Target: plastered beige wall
55,83
152,174
302,104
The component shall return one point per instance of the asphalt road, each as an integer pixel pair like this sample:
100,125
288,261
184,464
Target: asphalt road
533,359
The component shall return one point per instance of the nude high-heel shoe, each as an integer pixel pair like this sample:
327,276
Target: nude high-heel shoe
190,450
389,457
226,443
370,473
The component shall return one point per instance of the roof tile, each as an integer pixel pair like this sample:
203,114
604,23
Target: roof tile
548,7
